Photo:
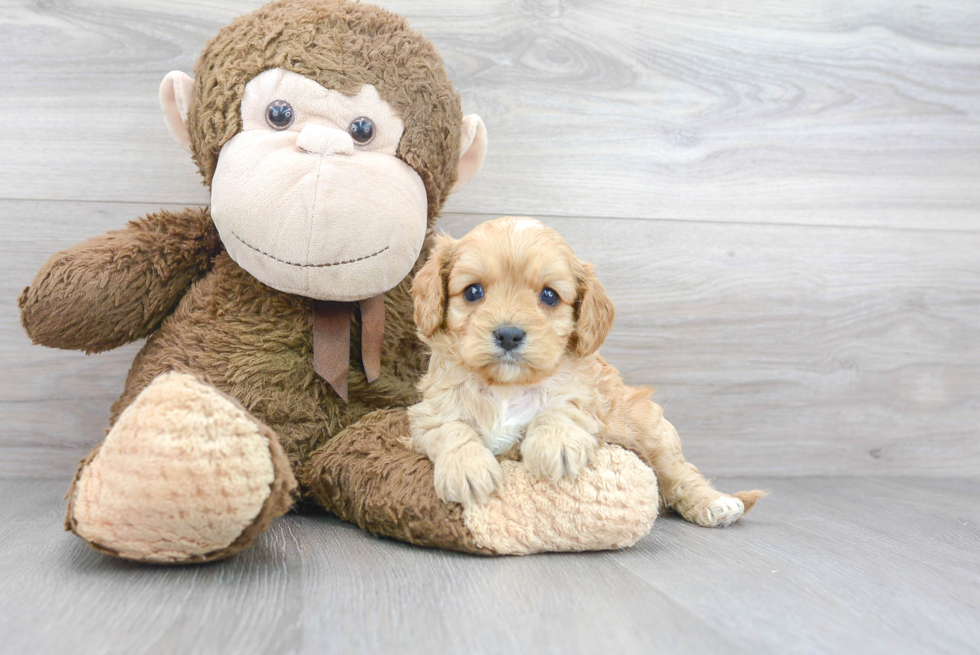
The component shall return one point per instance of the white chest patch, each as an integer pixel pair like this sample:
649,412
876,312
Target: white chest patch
514,407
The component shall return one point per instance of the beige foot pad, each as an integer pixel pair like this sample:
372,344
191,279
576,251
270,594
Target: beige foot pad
185,475
611,503
367,476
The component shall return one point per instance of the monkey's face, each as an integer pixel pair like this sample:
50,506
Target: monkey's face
330,136
309,197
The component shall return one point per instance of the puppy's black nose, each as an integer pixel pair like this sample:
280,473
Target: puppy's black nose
508,337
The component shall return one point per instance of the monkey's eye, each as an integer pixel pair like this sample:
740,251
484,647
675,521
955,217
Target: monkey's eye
279,114
549,297
473,293
361,129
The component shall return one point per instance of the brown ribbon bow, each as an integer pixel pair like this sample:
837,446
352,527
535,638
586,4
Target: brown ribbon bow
331,340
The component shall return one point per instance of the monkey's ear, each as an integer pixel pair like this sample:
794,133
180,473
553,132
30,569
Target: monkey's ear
429,287
176,93
595,313
473,150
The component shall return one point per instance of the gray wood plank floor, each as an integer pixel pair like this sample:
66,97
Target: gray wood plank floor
827,565
783,201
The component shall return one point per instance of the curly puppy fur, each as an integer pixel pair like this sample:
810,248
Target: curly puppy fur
552,395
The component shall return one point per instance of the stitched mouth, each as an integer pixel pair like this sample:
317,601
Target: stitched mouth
298,265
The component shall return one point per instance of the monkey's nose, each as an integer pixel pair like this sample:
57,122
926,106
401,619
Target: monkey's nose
508,337
322,140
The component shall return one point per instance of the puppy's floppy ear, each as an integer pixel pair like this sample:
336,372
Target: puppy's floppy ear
429,287
595,313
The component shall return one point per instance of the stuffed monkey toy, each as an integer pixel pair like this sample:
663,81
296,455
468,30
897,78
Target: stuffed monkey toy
281,350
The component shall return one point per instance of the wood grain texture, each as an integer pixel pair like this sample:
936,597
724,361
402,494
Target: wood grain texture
832,565
783,202
858,113
777,350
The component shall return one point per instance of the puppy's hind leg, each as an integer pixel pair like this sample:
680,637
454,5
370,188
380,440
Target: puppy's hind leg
682,487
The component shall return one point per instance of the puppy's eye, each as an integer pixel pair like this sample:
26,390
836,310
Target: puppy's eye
361,129
473,293
549,297
279,114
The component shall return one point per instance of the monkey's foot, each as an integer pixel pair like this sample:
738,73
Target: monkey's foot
185,475
367,475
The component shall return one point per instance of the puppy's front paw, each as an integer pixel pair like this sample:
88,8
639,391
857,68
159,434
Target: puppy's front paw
553,452
467,475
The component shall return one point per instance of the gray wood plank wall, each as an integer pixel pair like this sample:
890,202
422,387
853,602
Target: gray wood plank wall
783,200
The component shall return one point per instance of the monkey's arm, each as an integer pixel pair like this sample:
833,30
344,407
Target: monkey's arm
118,287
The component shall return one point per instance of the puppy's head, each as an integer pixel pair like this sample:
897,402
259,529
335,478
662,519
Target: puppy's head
509,300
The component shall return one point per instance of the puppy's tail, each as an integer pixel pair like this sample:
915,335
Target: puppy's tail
749,498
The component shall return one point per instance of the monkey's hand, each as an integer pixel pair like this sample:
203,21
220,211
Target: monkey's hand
119,287
557,446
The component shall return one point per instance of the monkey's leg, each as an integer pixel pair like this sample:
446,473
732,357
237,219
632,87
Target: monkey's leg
682,487
368,476
185,475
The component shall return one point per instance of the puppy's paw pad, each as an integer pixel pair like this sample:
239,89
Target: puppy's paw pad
467,476
723,511
552,455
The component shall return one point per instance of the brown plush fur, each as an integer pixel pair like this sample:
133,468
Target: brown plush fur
248,340
256,345
118,287
395,494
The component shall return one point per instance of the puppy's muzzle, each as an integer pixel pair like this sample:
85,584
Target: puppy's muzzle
508,337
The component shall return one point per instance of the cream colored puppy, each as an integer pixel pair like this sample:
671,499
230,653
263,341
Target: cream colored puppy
515,321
